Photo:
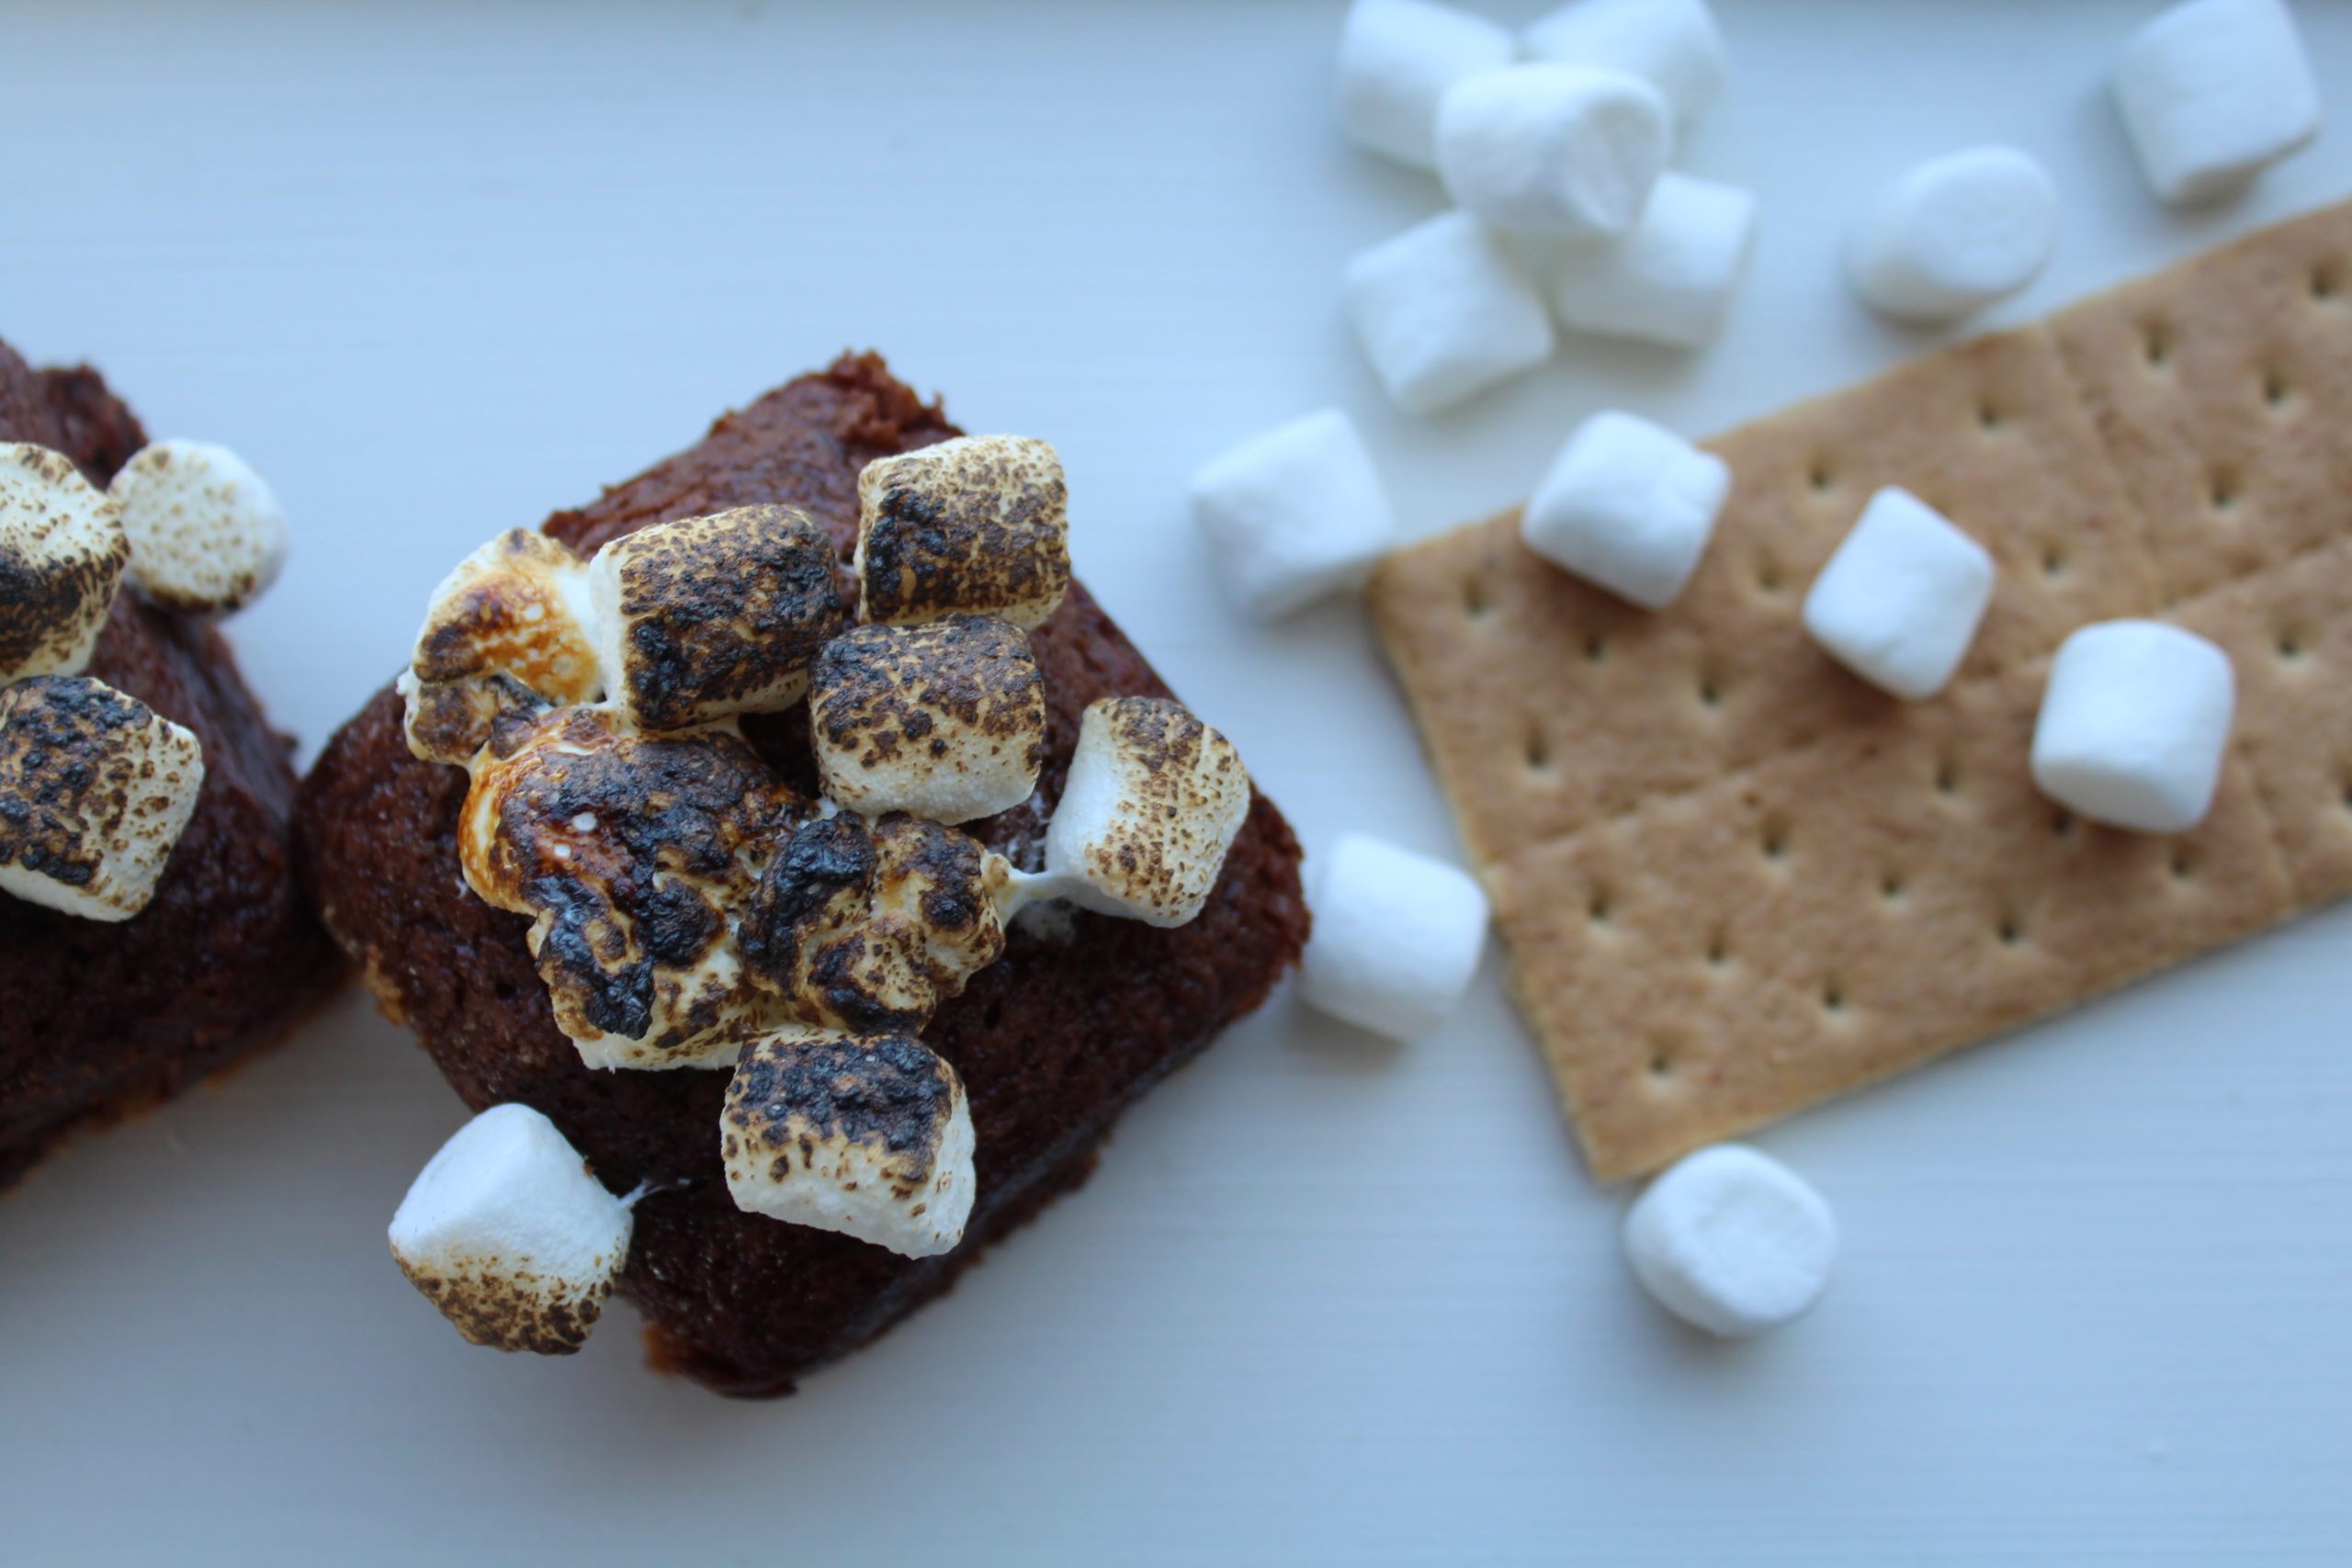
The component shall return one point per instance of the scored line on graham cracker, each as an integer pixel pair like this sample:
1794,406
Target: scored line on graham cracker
1735,880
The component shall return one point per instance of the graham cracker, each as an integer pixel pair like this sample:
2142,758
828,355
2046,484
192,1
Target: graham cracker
1735,880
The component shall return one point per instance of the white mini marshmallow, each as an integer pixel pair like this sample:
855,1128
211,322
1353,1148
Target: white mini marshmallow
867,1134
2213,91
2135,724
1628,505
1553,149
1152,802
61,555
1954,234
1672,44
1732,1241
1396,59
507,1232
1668,281
207,532
1899,602
1443,312
1397,938
96,788
1294,514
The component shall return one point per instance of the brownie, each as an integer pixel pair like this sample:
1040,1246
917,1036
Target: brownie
100,1019
1053,1040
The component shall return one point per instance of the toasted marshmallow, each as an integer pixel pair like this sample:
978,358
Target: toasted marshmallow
1154,800
517,607
976,525
864,928
506,1232
94,790
868,1135
714,615
207,533
946,720
62,553
629,850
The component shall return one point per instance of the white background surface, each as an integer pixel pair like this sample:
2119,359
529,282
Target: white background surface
438,269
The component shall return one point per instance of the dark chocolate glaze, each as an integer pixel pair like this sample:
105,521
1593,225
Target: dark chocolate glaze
99,1019
1053,1041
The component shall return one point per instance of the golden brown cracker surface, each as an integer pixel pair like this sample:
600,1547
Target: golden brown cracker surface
1735,880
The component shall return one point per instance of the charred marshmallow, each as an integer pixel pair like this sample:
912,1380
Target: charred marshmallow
976,526
94,790
1396,59
1443,312
2213,91
1153,801
629,852
2134,726
714,615
864,929
1671,44
867,1135
1396,940
62,553
207,533
946,720
510,630
1554,148
506,1232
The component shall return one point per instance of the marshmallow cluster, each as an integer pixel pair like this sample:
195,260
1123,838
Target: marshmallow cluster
1954,234
2211,92
869,1135
1629,505
207,532
1152,802
510,1236
945,719
1900,599
1397,938
708,616
976,526
690,909
2134,726
96,788
94,791
1294,514
1732,1241
1569,145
